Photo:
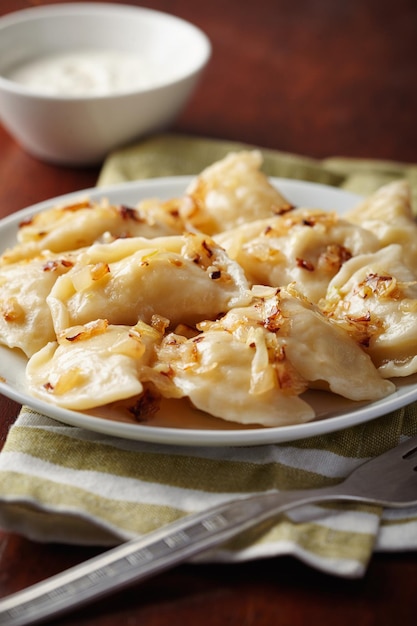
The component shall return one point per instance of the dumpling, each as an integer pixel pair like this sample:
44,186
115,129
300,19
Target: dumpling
183,278
268,353
230,192
374,298
80,224
25,318
306,247
388,214
92,365
326,356
233,379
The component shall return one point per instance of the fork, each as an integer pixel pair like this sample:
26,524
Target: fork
389,480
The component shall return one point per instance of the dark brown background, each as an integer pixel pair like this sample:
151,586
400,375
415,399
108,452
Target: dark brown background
314,77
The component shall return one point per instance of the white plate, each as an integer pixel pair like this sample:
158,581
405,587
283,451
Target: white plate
333,412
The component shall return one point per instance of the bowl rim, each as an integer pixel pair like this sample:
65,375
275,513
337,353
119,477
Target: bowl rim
80,8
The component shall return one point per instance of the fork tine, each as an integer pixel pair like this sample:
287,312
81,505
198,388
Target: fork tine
390,478
411,452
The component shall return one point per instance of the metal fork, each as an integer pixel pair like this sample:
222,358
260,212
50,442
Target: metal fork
389,480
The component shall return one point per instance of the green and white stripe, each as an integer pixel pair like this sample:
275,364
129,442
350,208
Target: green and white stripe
60,483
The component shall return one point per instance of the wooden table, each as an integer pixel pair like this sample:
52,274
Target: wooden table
314,77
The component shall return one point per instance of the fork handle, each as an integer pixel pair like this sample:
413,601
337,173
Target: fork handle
141,558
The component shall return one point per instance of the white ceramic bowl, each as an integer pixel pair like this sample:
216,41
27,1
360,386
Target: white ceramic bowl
80,129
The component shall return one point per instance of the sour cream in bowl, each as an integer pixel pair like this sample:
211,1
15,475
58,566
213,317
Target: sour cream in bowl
88,72
78,80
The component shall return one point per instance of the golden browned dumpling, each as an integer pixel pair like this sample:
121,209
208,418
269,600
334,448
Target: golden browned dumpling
92,365
183,278
306,247
25,318
252,365
388,214
76,225
374,299
230,192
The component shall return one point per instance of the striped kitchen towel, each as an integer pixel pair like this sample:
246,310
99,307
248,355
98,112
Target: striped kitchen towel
66,484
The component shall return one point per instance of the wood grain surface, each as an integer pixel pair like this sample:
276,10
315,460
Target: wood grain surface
312,77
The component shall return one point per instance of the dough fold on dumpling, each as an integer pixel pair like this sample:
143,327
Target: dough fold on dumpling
92,365
183,278
252,365
304,246
374,299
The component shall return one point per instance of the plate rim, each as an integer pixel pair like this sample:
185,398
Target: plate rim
190,436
